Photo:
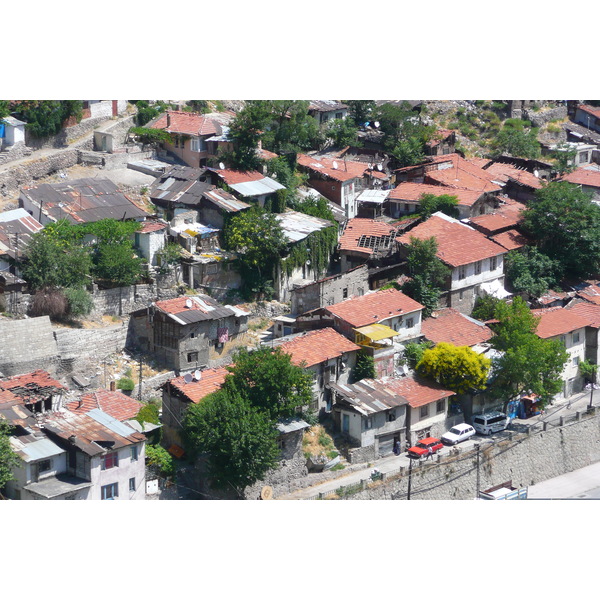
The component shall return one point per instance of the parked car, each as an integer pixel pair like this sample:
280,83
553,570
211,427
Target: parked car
458,433
490,422
425,447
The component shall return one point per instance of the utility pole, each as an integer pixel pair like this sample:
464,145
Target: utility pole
140,381
477,485
593,382
409,477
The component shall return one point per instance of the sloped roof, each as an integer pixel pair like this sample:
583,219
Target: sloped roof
248,183
458,172
357,228
558,321
320,345
187,123
373,307
588,311
345,170
326,105
592,110
450,326
509,214
153,226
17,225
31,387
416,390
584,176
297,226
191,309
116,404
458,244
412,192
194,391
590,292
505,172
511,239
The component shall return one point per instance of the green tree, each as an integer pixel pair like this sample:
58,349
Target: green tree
485,307
565,159
269,381
565,226
531,272
257,238
4,108
446,203
364,367
517,138
80,302
8,459
117,264
46,117
342,132
159,459
360,110
238,439
428,273
146,111
457,368
527,363
413,352
169,256
245,132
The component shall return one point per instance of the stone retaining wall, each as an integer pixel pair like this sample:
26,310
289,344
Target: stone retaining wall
151,386
540,118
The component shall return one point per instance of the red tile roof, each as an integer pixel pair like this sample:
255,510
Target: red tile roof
591,292
177,305
458,244
32,386
439,136
231,176
461,173
551,296
116,404
593,110
356,228
187,123
507,215
417,391
583,176
211,381
450,326
374,307
511,239
412,192
588,311
151,226
346,169
267,154
317,346
558,321
504,172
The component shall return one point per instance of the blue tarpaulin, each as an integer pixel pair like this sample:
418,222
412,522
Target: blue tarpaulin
1,130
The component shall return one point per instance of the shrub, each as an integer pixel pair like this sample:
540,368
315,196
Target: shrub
79,301
125,384
51,302
158,457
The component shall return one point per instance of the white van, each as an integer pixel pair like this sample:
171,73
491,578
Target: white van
490,422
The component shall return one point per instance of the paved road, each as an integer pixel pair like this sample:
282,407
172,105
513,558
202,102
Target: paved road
581,484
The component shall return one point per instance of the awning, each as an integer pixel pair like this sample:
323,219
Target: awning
377,332
495,288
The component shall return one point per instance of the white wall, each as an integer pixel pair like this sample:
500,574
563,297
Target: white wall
121,475
471,278
399,324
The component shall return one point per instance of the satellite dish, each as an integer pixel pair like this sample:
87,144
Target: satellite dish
266,493
335,165
376,124
197,375
221,166
380,167
187,378
188,303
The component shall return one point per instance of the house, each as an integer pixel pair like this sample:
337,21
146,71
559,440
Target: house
442,142
570,328
371,203
12,133
588,291
327,355
299,228
79,201
326,110
249,186
151,239
380,414
447,325
591,312
366,240
476,263
114,403
405,199
588,178
582,153
180,392
330,290
40,351
16,228
588,116
94,109
69,456
37,392
188,332
374,321
516,182
507,216
341,180
189,134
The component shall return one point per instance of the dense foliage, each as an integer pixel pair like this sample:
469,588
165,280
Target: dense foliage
46,117
146,111
429,204
531,272
158,458
360,111
413,352
364,367
517,138
8,459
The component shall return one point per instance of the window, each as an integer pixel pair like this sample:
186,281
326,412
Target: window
192,357
462,272
493,263
410,323
44,466
576,338
424,411
110,460
575,360
134,453
195,146
110,492
339,115
345,293
132,484
440,406
391,416
583,157
461,294
478,268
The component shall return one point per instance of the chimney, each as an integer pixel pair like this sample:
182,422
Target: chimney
168,119
113,385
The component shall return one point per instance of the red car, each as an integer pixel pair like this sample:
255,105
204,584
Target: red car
425,447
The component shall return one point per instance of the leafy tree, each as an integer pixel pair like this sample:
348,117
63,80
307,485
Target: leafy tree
565,225
46,117
4,108
428,273
117,264
168,257
146,111
430,203
517,139
360,110
290,127
457,368
343,132
269,381
238,439
200,106
364,367
8,459
126,384
485,307
588,370
531,272
565,159
157,457
79,302
257,238
245,132
147,135
148,414
413,352
316,207
528,363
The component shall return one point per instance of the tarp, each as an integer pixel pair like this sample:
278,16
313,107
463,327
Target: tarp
495,288
377,332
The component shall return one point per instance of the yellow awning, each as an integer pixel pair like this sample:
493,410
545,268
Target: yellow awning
376,332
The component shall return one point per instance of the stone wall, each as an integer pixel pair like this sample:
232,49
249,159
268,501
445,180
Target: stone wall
542,117
16,152
523,458
67,136
123,300
151,386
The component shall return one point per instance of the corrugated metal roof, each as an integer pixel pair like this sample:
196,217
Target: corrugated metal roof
37,450
257,188
113,424
297,226
290,425
378,196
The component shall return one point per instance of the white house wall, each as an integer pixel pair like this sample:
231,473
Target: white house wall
121,475
471,279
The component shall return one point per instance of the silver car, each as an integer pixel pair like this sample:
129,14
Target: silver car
458,433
